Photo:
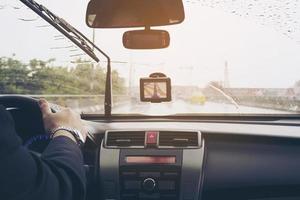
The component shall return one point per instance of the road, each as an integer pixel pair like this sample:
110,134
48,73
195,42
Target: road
181,106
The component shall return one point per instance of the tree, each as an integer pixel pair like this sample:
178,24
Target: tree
41,77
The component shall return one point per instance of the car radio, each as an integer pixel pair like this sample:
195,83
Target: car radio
150,174
156,165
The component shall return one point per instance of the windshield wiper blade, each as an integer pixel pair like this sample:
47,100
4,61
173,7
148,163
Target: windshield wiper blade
227,96
64,27
78,39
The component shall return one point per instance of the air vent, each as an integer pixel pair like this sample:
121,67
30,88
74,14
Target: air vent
125,139
179,139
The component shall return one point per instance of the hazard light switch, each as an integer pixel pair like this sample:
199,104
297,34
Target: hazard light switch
151,138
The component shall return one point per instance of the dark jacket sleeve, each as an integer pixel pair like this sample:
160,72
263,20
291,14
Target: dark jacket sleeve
58,174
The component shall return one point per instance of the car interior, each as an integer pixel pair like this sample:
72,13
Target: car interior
187,156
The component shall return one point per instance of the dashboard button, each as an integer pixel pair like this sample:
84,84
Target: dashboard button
150,174
151,138
149,196
166,185
171,174
129,173
132,185
129,196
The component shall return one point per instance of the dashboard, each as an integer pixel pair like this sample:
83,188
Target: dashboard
189,160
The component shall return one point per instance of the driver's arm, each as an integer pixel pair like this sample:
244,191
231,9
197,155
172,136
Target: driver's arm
57,175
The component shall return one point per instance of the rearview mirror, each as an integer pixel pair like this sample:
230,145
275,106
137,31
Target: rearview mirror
146,39
133,13
155,89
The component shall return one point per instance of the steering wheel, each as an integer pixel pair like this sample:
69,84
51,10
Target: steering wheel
26,113
28,118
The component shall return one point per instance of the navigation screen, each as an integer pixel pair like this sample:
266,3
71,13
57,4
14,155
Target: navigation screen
150,159
155,90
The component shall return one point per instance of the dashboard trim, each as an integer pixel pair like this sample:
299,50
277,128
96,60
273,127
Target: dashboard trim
109,173
191,173
278,131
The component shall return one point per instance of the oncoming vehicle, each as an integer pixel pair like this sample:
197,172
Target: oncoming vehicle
184,100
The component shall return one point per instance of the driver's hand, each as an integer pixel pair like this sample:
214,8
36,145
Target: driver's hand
65,117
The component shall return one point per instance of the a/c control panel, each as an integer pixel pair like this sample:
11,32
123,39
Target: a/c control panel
153,174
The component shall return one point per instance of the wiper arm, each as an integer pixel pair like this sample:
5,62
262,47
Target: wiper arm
64,27
78,39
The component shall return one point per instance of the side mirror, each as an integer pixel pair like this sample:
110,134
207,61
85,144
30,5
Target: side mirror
146,39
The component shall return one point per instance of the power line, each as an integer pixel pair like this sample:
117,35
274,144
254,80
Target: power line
29,20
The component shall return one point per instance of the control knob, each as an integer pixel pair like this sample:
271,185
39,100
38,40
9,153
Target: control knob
149,184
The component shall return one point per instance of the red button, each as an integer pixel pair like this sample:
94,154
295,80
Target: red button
151,137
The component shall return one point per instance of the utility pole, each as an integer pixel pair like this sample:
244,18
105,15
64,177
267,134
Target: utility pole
226,76
130,85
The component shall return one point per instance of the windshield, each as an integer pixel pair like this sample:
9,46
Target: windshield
227,57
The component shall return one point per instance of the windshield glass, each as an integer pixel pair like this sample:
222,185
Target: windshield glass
227,57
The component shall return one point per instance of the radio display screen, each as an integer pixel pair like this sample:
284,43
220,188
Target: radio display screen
150,159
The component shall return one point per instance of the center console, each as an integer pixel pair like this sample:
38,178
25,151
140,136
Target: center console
151,165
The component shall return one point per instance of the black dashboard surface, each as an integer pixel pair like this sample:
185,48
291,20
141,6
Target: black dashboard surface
251,167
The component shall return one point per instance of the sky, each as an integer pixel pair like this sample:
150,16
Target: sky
259,39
